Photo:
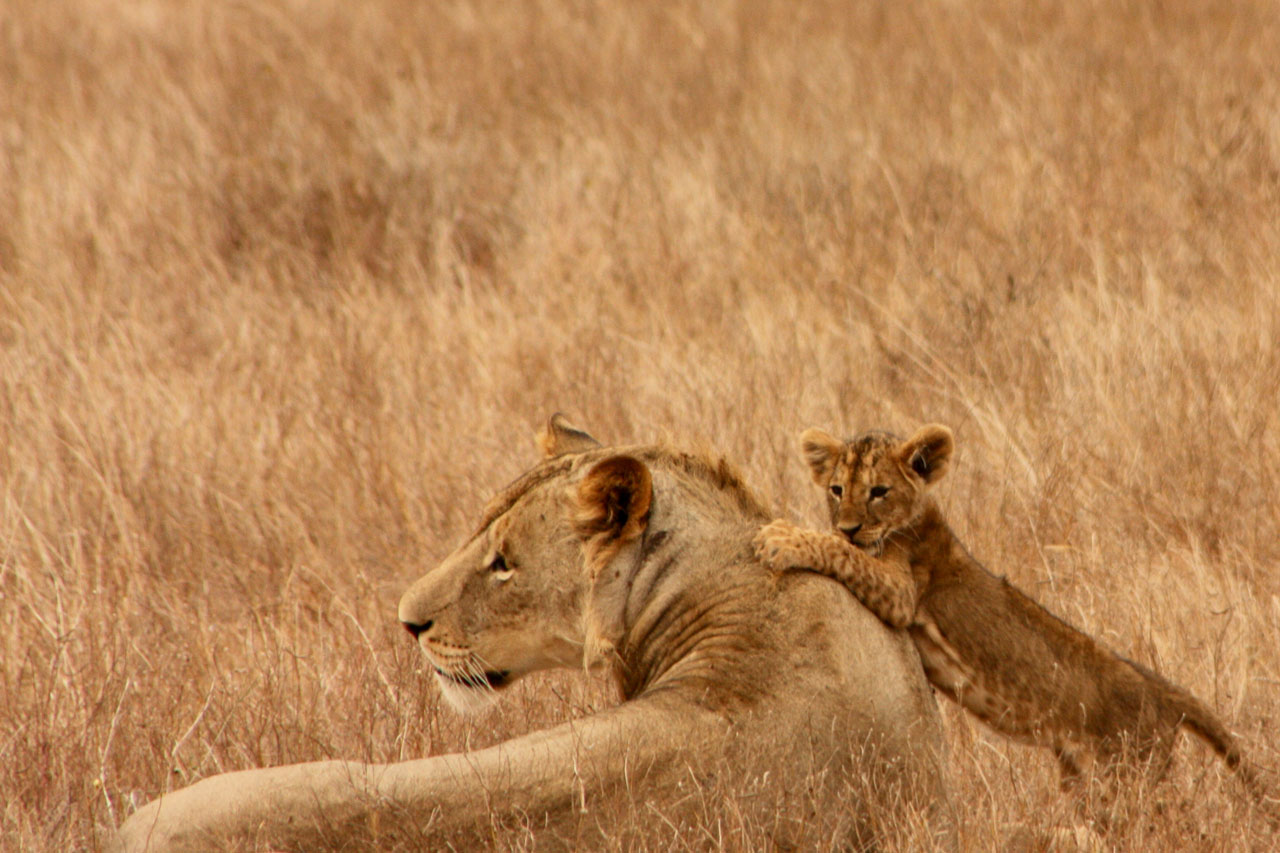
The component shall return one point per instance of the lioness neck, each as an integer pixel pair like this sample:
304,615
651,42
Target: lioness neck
684,621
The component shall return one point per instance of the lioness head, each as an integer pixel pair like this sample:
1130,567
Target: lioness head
875,483
515,597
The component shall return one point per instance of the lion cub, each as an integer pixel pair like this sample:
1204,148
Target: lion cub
983,643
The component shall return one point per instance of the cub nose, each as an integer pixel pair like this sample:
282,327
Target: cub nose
850,532
415,629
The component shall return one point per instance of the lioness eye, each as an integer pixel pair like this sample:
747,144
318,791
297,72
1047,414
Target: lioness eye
879,491
837,491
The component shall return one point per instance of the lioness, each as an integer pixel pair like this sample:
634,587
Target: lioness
637,559
983,643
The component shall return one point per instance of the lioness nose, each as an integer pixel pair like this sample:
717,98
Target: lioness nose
416,629
850,532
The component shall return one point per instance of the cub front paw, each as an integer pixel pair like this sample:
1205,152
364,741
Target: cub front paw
776,546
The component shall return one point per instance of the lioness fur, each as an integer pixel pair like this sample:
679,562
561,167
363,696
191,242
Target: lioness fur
637,559
983,643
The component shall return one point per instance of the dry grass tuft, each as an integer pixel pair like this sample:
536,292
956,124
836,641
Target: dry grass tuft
285,288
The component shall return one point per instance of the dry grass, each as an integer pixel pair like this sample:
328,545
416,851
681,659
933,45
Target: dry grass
286,286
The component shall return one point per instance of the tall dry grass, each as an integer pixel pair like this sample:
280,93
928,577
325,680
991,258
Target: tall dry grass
286,286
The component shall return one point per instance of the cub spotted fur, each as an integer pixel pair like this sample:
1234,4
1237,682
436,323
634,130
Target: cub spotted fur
983,643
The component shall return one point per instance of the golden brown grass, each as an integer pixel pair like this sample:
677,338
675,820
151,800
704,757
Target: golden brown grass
285,288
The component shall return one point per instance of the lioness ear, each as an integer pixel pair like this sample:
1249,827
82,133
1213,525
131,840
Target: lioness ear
613,501
821,450
558,437
928,452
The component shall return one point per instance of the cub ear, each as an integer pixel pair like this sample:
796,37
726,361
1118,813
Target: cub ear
613,501
821,450
558,437
928,452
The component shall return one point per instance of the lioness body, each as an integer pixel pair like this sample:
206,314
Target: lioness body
616,557
982,642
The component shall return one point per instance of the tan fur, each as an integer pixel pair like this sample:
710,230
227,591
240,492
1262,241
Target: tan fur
559,437
611,512
639,557
983,642
612,508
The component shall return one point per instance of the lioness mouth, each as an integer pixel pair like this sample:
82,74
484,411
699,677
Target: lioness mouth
489,679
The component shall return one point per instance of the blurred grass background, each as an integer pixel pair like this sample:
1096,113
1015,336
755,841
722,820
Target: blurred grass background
286,287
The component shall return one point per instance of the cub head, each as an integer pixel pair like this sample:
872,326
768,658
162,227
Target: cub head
517,596
875,483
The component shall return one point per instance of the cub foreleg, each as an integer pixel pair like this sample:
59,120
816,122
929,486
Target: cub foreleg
885,587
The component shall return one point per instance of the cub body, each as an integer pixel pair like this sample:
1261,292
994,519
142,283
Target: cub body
982,642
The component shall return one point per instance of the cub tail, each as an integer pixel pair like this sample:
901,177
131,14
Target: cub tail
1203,722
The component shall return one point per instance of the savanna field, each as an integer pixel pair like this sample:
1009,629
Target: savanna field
286,288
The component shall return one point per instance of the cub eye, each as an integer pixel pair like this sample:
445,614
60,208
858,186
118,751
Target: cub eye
499,568
837,490
879,491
